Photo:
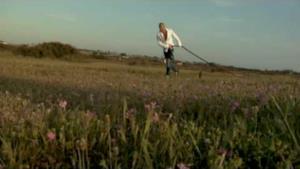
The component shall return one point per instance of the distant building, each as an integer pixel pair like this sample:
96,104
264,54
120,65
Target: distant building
3,42
179,63
86,51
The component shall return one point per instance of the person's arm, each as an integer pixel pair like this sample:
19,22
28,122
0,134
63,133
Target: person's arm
160,43
177,38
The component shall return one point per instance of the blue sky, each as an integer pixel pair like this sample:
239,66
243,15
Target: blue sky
261,34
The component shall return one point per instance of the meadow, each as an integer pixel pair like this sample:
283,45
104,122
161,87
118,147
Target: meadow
111,115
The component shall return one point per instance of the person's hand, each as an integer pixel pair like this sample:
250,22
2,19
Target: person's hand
171,46
165,61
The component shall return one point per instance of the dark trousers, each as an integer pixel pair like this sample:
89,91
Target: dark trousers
170,61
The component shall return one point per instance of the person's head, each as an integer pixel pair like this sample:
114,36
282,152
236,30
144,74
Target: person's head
162,27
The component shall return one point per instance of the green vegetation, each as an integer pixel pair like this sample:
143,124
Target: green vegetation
43,50
106,114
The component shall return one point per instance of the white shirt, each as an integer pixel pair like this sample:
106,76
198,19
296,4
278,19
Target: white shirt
164,43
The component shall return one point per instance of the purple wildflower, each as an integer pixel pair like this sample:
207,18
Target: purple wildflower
262,98
234,105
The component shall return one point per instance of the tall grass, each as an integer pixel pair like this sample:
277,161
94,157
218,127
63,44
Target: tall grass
147,139
113,119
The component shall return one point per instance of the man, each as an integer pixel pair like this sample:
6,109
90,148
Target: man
165,39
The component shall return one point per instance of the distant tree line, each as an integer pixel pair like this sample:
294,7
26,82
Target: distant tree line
49,49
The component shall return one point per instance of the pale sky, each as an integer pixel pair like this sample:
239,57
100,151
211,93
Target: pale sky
260,34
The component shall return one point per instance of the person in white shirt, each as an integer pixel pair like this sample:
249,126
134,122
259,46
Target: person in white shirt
165,39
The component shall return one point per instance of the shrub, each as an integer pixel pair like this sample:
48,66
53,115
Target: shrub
49,49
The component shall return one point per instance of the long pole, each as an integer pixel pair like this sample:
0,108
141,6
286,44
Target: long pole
197,56
194,54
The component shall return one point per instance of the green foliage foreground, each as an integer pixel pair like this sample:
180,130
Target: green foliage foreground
36,136
57,114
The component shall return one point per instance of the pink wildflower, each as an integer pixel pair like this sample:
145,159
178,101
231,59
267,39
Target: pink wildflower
151,106
222,151
133,85
51,136
147,107
90,114
63,104
182,166
155,118
235,105
130,114
262,98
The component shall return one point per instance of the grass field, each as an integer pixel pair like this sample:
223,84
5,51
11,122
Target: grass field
107,114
